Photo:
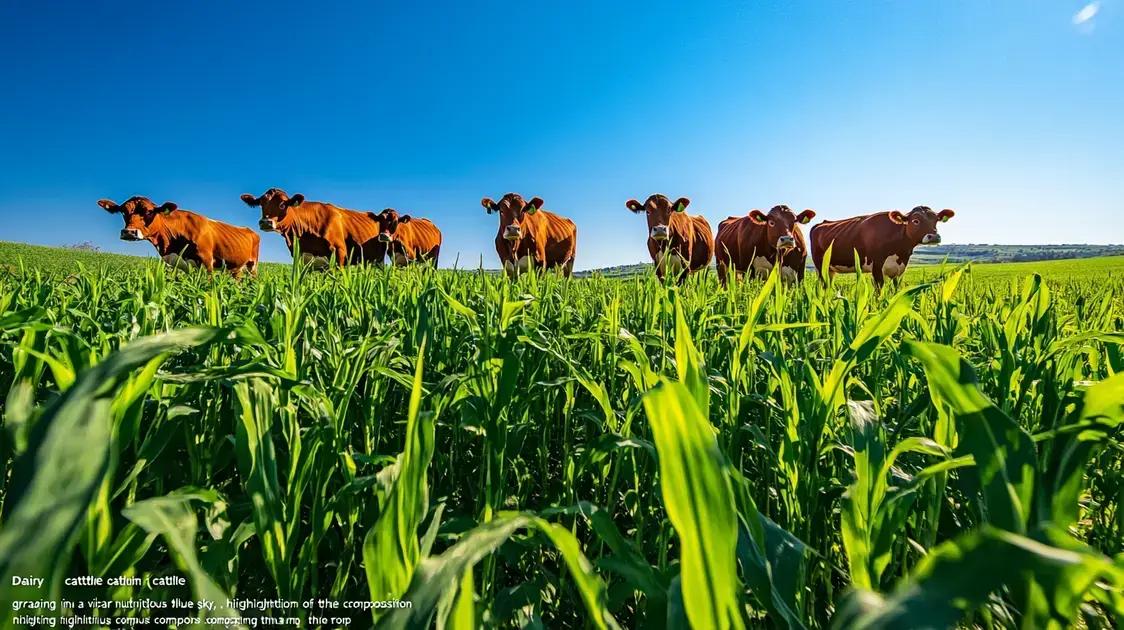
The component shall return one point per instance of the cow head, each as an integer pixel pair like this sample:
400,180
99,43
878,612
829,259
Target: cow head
779,223
921,224
659,210
139,213
274,204
512,210
388,221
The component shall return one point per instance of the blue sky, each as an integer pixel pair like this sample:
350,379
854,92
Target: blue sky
1009,111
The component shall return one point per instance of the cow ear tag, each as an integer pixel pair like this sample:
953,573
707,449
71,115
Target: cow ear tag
530,209
680,207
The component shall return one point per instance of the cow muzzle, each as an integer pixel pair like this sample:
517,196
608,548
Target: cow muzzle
512,233
131,234
931,239
659,233
266,225
384,238
785,243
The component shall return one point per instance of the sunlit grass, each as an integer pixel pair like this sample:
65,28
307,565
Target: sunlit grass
573,453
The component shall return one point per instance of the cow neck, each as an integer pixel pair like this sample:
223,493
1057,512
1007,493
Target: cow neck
672,242
415,233
678,225
901,244
297,221
395,246
166,229
526,243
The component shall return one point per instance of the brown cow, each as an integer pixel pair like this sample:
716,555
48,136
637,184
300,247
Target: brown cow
678,243
322,230
530,237
757,240
405,238
184,238
884,241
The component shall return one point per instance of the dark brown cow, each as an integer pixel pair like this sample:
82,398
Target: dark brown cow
757,240
184,238
530,237
405,238
678,243
322,230
884,241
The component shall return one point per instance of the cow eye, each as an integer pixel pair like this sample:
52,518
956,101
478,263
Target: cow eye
916,221
772,223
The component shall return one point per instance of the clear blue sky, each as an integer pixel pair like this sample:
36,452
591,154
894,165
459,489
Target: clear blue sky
1009,111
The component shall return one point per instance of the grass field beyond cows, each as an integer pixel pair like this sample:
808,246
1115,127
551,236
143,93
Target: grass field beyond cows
568,453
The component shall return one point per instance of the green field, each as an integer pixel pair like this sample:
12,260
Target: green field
552,453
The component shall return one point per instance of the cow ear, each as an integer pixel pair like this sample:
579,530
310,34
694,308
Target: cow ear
806,217
488,204
534,205
634,205
372,216
296,200
109,206
758,217
945,215
251,200
897,217
167,208
682,204
405,218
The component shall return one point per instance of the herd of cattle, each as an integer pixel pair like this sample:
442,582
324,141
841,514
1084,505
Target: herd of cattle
532,238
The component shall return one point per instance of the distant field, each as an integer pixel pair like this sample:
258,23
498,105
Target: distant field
65,260
1077,269
962,254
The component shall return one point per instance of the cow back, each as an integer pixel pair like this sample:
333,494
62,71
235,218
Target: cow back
740,240
556,235
867,235
418,237
702,242
358,227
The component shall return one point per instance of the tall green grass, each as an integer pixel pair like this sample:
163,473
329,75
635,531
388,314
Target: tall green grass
571,453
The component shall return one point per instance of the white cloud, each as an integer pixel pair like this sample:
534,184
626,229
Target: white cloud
1087,13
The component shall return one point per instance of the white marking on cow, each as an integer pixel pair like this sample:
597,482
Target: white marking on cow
175,261
788,274
893,267
763,266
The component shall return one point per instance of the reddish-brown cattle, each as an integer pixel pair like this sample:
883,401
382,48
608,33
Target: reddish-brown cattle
322,230
678,243
758,240
530,237
884,241
184,238
405,238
